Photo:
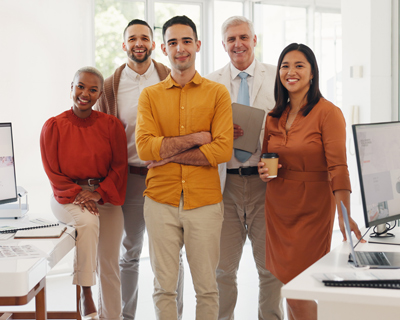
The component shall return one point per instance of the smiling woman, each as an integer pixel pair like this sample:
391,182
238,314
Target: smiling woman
85,90
84,155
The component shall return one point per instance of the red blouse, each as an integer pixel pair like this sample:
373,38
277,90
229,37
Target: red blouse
73,148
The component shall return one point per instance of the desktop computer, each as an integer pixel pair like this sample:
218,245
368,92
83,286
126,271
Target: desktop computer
13,199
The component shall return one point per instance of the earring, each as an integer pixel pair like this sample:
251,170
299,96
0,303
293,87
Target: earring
310,82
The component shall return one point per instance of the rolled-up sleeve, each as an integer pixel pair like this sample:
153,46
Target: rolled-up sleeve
220,149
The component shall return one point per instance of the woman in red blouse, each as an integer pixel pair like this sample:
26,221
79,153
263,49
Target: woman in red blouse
84,154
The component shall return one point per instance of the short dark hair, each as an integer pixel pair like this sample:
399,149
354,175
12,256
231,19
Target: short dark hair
179,20
281,93
138,21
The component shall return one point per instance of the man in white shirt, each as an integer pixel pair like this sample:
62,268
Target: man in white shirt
120,98
244,193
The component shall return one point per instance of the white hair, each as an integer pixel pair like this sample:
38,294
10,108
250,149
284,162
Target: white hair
235,21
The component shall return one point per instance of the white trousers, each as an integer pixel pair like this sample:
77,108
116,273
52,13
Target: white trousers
97,251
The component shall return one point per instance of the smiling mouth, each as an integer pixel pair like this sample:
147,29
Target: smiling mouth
139,51
239,52
292,80
181,57
83,101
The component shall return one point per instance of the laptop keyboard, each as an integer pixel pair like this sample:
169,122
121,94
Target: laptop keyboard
372,258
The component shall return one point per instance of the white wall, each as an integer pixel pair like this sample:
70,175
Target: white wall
43,43
367,30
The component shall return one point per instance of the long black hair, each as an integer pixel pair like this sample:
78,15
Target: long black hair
281,93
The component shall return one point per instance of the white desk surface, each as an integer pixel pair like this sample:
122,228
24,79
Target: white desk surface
19,276
305,287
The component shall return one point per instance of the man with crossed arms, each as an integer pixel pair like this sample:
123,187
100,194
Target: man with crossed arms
120,98
184,129
244,193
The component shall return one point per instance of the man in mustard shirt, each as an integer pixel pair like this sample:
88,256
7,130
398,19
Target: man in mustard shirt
184,129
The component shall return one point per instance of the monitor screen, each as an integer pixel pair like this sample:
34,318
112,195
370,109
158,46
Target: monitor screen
377,148
8,185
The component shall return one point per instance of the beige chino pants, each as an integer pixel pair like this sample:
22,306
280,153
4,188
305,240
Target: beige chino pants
97,251
169,228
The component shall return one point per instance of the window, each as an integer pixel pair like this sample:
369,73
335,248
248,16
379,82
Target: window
278,26
222,11
163,11
111,18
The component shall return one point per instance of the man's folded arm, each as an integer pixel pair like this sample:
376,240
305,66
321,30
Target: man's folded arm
192,157
172,146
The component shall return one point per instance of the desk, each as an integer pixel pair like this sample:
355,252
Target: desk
23,279
346,303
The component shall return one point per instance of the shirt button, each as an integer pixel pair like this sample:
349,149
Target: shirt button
182,127
182,108
183,181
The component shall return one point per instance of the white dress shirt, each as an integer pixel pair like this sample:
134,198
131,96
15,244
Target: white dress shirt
130,86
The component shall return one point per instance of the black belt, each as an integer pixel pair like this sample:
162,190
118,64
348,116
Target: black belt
142,171
243,171
89,182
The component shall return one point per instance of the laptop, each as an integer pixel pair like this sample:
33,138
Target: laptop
373,260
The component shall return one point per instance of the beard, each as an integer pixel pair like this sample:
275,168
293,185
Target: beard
147,55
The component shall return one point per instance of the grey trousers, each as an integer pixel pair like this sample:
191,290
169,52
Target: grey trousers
132,244
244,198
96,251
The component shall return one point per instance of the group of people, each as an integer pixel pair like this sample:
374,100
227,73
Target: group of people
152,148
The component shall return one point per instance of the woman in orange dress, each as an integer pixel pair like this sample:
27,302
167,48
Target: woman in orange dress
309,135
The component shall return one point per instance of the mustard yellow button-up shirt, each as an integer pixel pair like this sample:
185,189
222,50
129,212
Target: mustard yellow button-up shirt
168,110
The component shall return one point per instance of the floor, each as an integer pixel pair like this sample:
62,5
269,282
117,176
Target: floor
60,292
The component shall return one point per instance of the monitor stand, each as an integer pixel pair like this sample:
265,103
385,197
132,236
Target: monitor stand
381,232
16,209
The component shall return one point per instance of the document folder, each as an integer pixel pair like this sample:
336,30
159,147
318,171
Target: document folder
250,119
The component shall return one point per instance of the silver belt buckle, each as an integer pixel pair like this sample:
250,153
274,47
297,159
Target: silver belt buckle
91,185
240,171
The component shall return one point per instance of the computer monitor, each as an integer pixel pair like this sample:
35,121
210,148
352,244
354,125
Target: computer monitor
8,184
377,147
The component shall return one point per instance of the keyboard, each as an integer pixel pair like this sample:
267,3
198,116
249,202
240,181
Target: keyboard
372,258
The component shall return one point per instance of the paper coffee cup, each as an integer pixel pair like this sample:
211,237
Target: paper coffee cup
271,161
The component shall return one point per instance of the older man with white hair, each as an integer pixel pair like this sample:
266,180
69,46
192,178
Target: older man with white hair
249,82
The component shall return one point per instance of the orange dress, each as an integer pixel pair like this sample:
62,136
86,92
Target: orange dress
299,204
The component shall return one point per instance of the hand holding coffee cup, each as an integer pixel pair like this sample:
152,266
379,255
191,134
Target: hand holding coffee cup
271,161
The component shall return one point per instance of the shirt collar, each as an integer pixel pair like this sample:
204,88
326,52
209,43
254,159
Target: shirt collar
170,82
249,70
134,75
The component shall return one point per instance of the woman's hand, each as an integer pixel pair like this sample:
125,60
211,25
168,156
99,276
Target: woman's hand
85,196
263,172
91,206
353,227
344,196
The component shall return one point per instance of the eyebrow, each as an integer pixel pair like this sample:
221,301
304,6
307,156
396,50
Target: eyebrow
139,35
84,84
184,38
283,62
